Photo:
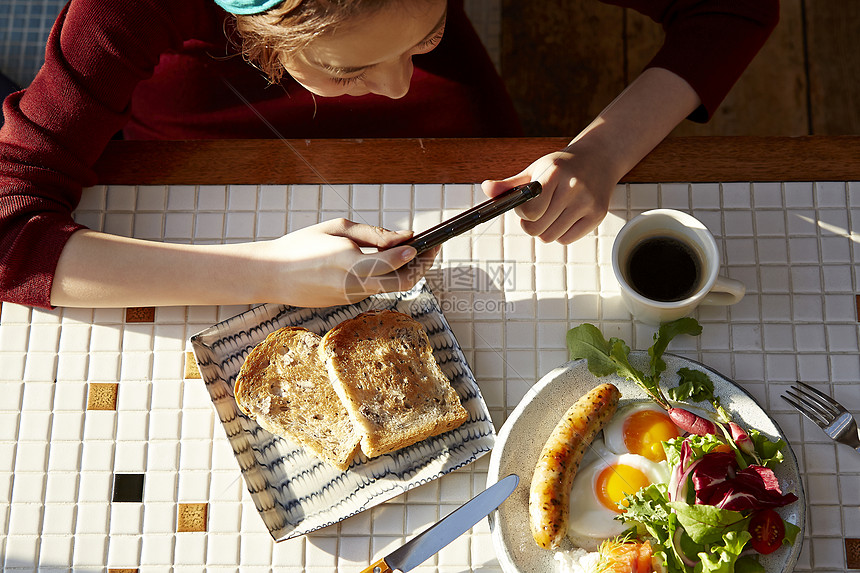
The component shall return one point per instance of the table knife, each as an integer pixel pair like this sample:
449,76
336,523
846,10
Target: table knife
425,545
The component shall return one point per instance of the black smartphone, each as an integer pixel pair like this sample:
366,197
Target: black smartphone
473,217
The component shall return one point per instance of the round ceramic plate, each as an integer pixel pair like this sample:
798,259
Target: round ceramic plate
523,435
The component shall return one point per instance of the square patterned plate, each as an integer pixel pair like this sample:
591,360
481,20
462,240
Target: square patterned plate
294,492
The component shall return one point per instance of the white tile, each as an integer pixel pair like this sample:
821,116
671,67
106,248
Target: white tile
120,198
126,518
149,225
61,487
31,457
767,194
810,337
830,194
798,194
241,197
835,250
164,425
162,455
366,197
273,198
124,550
428,196
845,367
222,549
157,550
194,455
209,226
159,518
136,366
56,551
130,457
133,395
14,337
240,225
211,197
190,549
119,224
59,519
193,485
675,196
271,225
178,225
132,425
397,197
736,195
95,486
643,195
92,518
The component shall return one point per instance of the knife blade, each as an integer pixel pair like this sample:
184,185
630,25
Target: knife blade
420,548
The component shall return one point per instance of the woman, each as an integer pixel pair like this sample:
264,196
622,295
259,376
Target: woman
347,68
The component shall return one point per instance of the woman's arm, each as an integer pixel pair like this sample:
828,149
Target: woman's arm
317,266
708,45
578,181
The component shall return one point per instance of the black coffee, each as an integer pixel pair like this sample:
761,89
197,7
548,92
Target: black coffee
664,269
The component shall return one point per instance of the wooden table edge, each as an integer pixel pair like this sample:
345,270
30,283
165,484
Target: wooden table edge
342,161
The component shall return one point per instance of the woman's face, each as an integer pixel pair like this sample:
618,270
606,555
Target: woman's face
372,56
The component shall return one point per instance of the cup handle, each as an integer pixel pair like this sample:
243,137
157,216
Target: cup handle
725,291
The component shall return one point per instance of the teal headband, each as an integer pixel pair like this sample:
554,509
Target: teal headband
247,6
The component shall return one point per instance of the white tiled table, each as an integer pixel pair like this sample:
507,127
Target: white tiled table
509,300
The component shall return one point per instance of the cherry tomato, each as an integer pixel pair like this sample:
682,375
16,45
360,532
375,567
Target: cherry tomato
767,530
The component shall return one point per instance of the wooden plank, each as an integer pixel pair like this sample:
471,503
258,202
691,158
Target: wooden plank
833,30
562,61
770,96
464,160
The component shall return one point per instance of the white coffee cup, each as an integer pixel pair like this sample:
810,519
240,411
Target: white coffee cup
663,291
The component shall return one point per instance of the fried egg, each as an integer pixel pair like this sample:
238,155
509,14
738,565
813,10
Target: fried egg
601,483
639,429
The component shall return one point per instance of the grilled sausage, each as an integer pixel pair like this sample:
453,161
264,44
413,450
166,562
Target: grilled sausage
549,495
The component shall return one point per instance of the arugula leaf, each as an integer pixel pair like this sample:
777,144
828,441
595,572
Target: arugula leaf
707,524
664,336
586,341
611,357
768,451
694,385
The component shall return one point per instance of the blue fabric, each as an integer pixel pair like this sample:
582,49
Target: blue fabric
247,6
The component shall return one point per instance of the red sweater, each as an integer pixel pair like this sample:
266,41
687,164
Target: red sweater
159,69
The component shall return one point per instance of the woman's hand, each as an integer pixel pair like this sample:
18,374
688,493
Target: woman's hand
577,188
324,265
578,181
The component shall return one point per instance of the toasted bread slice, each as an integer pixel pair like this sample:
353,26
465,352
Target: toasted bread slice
381,365
283,386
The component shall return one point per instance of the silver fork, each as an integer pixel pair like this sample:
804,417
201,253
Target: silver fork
836,421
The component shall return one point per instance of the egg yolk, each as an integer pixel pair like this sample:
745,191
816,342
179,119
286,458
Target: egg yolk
643,432
617,481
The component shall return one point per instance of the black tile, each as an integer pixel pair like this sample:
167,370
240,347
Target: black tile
128,487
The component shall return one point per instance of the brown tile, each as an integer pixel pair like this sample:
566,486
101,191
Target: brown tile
852,553
122,570
140,314
857,305
191,370
191,517
102,396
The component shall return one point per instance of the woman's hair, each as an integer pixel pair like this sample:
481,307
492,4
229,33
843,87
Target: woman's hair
267,39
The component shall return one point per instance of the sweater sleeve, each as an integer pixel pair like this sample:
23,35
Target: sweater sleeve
709,43
58,126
